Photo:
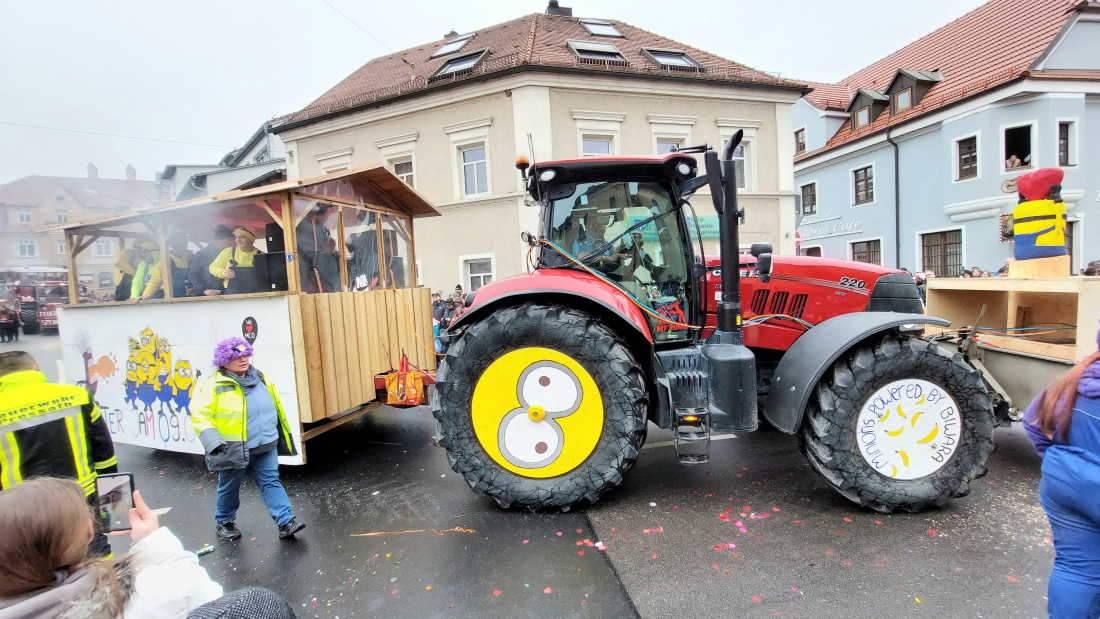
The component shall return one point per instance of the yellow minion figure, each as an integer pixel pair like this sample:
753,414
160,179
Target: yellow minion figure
183,385
149,341
147,378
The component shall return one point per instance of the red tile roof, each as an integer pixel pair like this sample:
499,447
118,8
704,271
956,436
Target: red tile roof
111,193
988,47
532,41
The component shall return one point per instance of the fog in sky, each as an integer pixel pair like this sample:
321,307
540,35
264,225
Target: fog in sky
208,72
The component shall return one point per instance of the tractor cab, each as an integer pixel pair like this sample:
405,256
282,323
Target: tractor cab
620,219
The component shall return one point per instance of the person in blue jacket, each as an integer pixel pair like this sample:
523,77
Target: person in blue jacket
1064,425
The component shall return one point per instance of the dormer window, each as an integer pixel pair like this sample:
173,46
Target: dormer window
600,28
459,66
599,53
861,117
903,100
671,59
453,45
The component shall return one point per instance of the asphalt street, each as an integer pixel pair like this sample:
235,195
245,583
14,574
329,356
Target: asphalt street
753,533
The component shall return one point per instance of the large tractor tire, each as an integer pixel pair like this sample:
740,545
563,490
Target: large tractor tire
30,328
902,425
541,407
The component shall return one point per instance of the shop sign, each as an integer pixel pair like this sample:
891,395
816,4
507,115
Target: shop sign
839,228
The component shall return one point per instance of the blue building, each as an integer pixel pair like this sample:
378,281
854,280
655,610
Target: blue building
911,162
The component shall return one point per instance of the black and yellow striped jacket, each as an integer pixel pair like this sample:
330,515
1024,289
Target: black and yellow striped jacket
51,430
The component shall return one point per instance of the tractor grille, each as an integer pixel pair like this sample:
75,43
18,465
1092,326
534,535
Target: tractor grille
759,303
779,302
798,305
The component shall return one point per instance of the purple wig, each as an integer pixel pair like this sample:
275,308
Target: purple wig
230,349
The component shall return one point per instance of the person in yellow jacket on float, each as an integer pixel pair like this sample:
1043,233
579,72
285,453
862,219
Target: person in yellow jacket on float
235,264
180,261
243,429
149,253
50,430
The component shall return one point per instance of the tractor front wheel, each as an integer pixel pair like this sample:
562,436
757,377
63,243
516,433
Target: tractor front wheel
902,425
540,406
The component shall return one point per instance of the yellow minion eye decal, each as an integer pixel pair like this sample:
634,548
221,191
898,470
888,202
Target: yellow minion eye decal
537,412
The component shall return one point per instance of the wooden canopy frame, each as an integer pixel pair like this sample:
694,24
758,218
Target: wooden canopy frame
370,188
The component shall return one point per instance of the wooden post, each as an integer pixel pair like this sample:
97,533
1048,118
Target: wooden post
72,242
290,239
379,234
415,270
341,248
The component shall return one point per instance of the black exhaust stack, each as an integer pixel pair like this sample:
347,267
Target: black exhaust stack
729,363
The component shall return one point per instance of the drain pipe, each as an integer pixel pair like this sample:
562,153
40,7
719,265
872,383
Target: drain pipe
897,203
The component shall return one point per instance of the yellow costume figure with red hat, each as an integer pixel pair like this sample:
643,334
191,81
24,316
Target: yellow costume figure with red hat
1039,220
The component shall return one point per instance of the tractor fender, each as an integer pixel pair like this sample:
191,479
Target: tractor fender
570,288
814,353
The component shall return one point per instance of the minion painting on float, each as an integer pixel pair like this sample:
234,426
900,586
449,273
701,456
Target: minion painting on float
151,377
1039,220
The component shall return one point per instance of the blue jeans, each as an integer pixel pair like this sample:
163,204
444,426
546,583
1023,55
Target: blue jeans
265,471
1074,589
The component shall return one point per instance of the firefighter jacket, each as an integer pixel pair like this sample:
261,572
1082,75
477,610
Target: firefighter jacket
51,430
220,416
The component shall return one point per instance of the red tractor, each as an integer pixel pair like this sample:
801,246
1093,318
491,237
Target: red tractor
544,399
38,305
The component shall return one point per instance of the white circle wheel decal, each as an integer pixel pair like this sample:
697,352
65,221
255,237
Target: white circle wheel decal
909,429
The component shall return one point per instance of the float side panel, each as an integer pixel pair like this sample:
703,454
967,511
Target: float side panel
301,361
312,331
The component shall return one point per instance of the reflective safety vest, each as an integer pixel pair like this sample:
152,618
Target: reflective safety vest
219,413
51,430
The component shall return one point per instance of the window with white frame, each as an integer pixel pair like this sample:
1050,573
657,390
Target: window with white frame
106,280
799,141
668,145
1018,144
809,199
26,249
903,100
595,145
403,169
475,175
863,180
739,156
61,249
263,156
671,59
596,52
861,117
1067,143
600,28
453,45
478,272
24,215
462,64
867,251
966,153
103,248
62,217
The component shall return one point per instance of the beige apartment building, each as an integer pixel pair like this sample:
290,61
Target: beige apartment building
451,117
32,203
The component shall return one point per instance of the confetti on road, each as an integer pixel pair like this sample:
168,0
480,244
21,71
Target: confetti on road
526,541
496,592
878,522
847,520
724,517
548,591
653,505
932,532
580,552
756,599
559,533
1012,579
918,600
428,588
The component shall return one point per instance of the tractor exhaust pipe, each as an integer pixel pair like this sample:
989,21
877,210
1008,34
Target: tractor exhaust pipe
731,366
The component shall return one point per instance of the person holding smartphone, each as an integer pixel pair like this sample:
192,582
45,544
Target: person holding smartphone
45,568
243,429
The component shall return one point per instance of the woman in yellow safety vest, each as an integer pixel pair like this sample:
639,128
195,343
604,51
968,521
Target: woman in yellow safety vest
243,429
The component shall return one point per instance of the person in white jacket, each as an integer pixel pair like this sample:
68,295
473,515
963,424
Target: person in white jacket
45,573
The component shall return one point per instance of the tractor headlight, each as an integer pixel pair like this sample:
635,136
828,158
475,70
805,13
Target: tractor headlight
683,168
547,176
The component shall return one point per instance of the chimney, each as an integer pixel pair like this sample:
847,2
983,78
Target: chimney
93,172
131,173
555,9
450,34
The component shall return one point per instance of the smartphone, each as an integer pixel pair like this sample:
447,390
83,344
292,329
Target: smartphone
116,498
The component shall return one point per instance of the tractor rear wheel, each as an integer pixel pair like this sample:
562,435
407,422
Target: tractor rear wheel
540,406
902,425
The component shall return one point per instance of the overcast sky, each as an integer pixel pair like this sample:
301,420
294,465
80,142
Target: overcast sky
210,71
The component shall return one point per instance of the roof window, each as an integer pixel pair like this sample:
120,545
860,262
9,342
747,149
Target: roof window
461,65
453,45
600,28
598,53
671,59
